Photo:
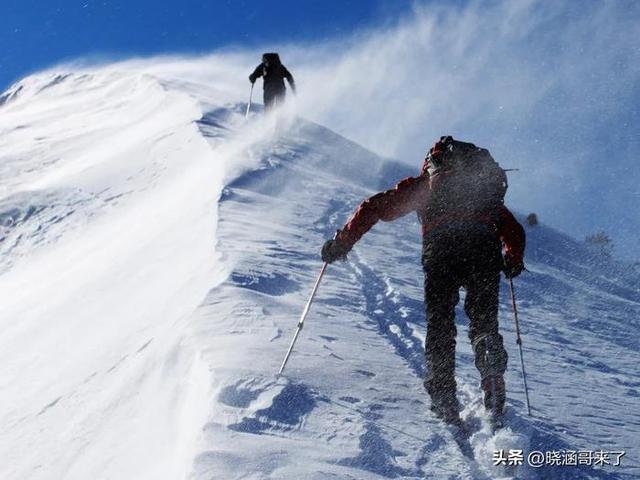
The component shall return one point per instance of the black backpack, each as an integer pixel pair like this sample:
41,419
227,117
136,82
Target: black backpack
270,63
465,181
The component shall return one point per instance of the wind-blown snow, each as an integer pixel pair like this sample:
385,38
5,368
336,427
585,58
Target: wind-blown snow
109,217
156,251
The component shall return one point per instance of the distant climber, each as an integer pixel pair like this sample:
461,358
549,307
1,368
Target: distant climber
273,73
469,236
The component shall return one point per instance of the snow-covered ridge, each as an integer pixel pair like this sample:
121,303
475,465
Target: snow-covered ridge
102,176
155,252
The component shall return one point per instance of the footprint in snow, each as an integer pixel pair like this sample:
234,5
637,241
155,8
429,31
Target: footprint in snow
286,411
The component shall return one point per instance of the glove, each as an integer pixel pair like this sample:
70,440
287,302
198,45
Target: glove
332,250
512,267
252,80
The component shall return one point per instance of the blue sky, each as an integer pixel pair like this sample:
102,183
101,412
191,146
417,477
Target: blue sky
35,33
551,88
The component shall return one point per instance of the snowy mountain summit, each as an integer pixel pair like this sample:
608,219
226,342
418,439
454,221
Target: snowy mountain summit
156,250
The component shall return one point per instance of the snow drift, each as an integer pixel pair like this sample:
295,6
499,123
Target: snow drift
155,252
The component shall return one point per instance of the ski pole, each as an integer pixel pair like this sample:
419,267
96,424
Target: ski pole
302,317
519,342
249,104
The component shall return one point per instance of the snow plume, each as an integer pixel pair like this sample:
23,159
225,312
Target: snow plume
482,70
546,86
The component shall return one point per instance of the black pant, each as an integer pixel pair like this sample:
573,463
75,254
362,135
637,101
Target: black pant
467,257
273,97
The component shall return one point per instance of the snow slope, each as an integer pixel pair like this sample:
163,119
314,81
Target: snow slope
156,251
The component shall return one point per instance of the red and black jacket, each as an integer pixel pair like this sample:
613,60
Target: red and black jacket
412,194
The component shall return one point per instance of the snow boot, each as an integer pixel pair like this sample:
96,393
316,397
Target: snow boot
491,361
495,396
448,411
